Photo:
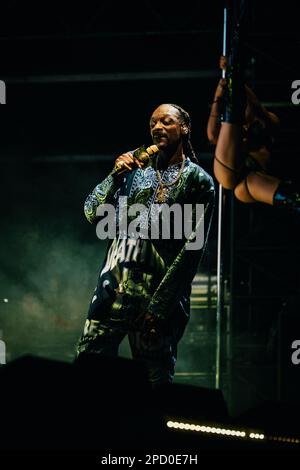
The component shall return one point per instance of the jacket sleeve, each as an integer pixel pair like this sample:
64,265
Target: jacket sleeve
104,192
181,272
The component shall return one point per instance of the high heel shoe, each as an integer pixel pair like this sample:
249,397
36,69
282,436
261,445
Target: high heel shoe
234,100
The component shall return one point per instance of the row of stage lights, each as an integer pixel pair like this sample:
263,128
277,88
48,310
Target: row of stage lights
226,432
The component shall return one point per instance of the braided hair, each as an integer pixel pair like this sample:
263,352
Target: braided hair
186,139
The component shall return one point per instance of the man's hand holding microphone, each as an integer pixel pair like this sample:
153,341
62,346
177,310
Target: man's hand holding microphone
137,159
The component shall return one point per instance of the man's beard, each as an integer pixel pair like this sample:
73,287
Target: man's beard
166,153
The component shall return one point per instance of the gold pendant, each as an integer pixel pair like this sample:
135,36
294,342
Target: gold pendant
161,195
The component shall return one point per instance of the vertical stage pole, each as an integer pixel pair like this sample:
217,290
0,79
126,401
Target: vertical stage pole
239,10
219,255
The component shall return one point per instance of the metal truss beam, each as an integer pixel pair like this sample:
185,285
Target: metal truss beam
115,77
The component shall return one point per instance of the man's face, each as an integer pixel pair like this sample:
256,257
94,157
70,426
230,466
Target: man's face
166,127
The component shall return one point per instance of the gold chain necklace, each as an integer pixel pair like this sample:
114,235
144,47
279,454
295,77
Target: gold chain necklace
162,190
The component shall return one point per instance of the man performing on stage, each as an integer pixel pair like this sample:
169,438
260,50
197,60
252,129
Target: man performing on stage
144,285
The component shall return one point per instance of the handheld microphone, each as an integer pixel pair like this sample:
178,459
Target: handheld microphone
143,154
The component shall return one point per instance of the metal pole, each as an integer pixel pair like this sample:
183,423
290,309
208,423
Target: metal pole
219,257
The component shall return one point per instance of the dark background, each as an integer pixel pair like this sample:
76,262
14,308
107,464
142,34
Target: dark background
82,81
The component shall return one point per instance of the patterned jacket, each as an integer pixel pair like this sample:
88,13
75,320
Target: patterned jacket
152,274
